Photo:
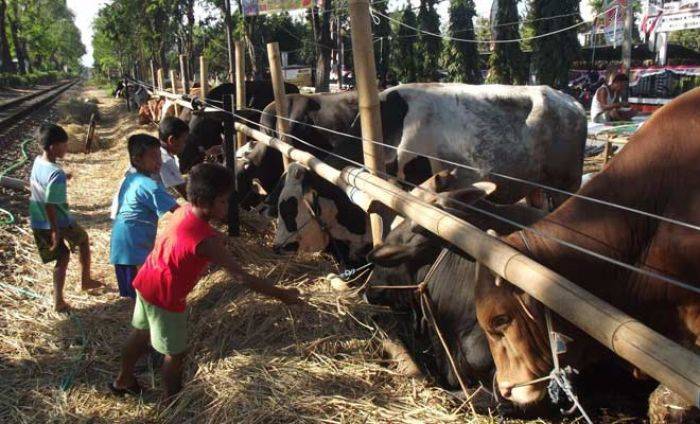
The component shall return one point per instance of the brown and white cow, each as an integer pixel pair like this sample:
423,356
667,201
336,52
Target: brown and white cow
657,172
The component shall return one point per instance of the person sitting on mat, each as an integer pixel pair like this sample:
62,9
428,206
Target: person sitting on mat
140,202
606,106
171,272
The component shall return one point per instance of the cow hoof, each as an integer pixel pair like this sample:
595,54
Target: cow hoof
666,406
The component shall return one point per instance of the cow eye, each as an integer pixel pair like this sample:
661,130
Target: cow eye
500,322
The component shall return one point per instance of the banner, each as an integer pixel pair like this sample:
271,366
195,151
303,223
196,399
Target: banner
677,15
256,7
613,24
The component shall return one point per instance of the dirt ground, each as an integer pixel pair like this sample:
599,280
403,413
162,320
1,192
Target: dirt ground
251,359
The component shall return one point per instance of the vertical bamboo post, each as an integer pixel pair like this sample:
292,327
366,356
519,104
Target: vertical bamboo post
160,79
184,74
173,85
154,79
273,56
240,87
230,157
366,82
203,77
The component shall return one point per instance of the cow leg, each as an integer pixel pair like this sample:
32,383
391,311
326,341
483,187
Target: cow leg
536,199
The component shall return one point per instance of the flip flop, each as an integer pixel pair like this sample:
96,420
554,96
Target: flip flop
135,390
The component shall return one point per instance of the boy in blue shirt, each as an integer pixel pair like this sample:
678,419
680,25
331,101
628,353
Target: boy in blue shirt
140,202
51,220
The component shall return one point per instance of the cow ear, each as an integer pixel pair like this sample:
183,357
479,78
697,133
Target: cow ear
258,188
389,254
298,173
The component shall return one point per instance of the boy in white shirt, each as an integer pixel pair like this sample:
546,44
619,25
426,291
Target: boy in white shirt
172,133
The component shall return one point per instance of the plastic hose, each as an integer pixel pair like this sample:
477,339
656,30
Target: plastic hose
9,217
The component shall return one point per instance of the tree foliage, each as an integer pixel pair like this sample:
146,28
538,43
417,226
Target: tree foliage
404,56
507,62
552,56
382,45
463,62
40,35
130,32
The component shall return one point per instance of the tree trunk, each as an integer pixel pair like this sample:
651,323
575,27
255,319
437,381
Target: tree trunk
7,64
322,24
16,41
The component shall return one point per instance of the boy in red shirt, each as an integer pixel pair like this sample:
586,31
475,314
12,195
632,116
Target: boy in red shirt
172,270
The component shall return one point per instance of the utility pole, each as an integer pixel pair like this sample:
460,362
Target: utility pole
229,42
627,45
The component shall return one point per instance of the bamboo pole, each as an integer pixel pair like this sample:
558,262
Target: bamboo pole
203,77
273,55
664,360
366,81
161,78
184,74
154,78
173,85
240,87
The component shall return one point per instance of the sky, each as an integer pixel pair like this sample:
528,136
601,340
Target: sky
86,10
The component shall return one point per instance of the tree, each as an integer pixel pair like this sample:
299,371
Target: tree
321,21
552,56
429,46
689,38
382,33
405,57
17,40
7,65
463,62
507,62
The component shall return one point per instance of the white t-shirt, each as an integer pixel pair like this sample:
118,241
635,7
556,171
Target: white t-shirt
169,176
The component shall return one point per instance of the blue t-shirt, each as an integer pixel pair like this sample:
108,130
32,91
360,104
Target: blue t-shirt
140,202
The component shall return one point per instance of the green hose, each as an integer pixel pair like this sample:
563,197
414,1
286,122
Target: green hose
9,217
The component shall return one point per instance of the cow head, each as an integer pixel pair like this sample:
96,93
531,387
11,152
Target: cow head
408,250
515,327
258,172
299,224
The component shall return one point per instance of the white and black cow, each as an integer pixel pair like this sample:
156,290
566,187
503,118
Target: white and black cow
533,133
407,255
206,129
315,215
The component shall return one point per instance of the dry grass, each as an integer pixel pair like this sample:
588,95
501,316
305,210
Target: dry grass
251,360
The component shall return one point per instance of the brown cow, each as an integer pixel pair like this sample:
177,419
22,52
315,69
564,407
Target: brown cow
657,172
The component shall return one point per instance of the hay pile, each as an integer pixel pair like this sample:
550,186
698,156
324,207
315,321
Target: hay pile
252,359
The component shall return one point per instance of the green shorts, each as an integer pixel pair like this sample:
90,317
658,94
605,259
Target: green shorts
74,234
168,330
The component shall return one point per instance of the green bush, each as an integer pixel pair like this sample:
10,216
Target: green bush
34,78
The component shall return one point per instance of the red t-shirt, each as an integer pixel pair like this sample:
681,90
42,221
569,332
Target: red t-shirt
173,268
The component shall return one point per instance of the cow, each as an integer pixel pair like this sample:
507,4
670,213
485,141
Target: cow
655,173
529,133
206,129
315,215
409,252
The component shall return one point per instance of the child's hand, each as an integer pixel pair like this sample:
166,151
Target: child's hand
289,296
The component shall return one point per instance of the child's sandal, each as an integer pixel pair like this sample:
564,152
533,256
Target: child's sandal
135,390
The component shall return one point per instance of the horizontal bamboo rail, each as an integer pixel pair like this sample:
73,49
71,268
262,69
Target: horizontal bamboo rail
656,355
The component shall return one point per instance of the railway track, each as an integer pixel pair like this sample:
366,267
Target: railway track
14,110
